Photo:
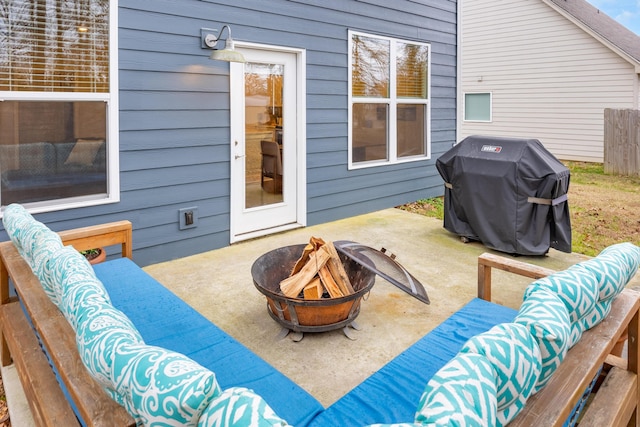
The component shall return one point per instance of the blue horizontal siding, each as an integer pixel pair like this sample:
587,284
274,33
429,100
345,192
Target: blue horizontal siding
174,113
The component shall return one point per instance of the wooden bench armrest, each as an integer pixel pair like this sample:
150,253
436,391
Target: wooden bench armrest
487,261
101,235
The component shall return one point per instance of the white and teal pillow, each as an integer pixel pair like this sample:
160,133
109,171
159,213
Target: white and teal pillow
547,320
517,364
461,393
159,387
626,252
240,407
576,287
600,311
16,221
102,329
47,244
613,268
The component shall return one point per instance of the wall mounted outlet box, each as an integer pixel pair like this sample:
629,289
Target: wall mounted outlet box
188,217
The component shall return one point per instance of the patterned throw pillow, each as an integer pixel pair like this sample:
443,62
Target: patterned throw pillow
239,407
547,319
628,252
461,393
68,271
600,311
101,330
613,268
160,387
515,357
29,241
16,221
576,287
47,244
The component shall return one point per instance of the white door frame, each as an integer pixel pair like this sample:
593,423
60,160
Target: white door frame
236,71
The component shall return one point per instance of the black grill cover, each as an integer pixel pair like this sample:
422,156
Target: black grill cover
508,193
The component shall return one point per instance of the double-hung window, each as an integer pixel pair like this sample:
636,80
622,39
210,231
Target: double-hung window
389,105
58,103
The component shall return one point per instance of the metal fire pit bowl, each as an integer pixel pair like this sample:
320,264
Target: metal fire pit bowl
300,315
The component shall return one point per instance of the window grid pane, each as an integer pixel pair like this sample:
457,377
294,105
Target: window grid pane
52,150
411,130
370,67
55,46
411,63
370,130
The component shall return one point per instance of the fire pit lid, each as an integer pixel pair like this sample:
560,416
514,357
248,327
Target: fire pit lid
383,265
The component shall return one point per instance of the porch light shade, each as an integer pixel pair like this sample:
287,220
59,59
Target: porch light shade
228,55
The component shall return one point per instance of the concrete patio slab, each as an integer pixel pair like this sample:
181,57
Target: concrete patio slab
219,285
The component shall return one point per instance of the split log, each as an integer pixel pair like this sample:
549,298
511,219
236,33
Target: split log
314,289
337,270
313,245
293,285
329,284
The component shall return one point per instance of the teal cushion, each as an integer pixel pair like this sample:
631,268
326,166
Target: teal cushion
577,329
547,320
461,393
599,312
515,357
68,269
239,407
160,387
576,287
628,253
47,244
102,329
613,268
29,240
16,221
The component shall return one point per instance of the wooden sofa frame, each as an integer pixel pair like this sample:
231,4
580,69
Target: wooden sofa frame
615,403
49,405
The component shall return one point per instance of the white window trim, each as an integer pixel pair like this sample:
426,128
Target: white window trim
464,106
113,148
392,101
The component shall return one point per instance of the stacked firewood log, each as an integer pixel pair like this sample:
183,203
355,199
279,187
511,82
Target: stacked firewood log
318,273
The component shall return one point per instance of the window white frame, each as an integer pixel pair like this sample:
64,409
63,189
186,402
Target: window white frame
477,120
111,98
392,102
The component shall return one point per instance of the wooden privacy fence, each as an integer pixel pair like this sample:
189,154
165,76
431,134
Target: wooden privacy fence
622,141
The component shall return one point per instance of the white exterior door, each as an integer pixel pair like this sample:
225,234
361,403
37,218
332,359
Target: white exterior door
267,142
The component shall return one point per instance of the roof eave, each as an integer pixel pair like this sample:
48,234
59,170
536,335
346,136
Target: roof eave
624,55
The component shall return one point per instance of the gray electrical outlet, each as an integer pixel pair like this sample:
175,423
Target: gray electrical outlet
188,217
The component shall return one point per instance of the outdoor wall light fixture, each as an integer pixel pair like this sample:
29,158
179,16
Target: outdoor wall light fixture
209,40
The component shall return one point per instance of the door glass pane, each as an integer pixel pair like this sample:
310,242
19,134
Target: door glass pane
263,134
370,128
411,130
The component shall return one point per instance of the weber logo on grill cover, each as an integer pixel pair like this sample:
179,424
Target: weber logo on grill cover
491,148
